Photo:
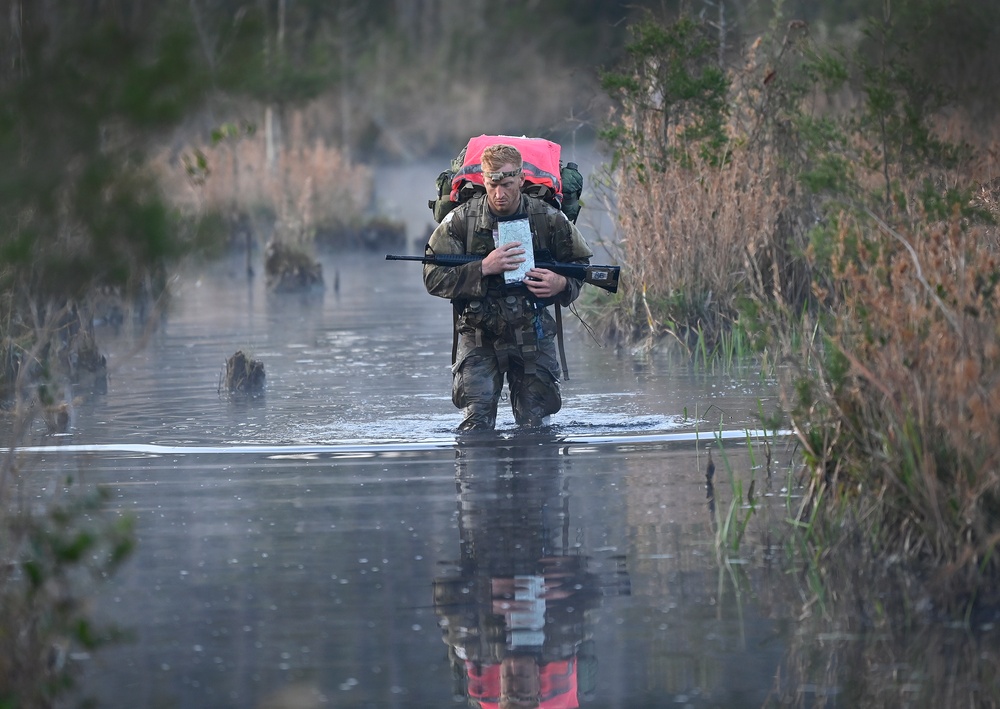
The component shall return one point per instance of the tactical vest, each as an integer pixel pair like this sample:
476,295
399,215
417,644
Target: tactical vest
537,215
505,310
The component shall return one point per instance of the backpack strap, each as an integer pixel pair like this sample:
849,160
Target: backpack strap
538,214
454,332
471,217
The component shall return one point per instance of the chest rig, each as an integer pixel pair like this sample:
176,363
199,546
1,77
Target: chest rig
508,319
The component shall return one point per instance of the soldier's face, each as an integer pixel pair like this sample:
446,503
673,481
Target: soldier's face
520,681
504,195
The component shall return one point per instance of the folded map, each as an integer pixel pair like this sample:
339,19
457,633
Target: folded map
517,230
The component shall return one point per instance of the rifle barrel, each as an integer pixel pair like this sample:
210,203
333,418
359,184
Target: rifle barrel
605,277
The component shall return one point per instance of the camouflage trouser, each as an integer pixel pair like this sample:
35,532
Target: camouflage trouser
478,377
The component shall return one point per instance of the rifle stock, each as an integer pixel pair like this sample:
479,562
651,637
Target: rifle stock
605,277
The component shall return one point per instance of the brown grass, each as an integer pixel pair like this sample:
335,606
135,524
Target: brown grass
307,185
695,237
691,239
885,308
910,423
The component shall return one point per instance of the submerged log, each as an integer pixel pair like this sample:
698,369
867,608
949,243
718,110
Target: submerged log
244,375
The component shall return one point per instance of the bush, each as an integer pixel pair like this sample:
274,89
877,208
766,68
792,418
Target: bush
847,226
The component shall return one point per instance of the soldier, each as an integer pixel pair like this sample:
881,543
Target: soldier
504,329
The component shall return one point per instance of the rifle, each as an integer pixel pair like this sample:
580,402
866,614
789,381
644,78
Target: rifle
605,277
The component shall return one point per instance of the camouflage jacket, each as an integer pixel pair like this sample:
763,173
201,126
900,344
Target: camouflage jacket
466,282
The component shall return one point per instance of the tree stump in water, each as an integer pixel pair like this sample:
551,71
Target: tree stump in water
291,270
244,375
87,366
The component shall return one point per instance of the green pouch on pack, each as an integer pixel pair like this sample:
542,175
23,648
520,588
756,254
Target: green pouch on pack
443,204
572,187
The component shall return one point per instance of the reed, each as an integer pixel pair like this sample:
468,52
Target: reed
687,236
303,185
58,539
731,526
695,193
847,232
901,423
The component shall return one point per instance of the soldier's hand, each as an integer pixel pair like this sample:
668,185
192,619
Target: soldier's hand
544,283
503,258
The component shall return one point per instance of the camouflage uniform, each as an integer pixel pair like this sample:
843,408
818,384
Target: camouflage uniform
502,329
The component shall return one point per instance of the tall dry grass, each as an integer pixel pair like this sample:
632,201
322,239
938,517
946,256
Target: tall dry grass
699,231
899,414
692,238
303,184
868,272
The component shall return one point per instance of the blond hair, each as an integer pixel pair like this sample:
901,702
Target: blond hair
496,156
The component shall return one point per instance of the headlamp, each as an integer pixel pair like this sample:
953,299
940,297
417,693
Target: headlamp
497,176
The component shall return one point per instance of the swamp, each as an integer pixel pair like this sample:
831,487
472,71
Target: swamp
331,542
230,471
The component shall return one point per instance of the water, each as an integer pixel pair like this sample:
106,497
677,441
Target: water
332,543
368,362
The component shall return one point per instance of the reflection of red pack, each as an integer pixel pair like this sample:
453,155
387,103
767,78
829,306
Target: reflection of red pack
541,168
557,681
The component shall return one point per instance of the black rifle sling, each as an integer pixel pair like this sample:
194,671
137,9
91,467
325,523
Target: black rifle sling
540,224
454,334
559,341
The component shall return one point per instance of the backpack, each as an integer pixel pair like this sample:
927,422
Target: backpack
545,176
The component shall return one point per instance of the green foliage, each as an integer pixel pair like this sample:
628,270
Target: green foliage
673,95
890,136
77,208
837,366
827,68
84,89
672,146
159,90
232,131
53,561
87,92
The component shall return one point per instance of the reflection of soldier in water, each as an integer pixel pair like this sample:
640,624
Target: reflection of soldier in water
513,607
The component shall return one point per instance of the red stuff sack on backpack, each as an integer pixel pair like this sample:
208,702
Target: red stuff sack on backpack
541,168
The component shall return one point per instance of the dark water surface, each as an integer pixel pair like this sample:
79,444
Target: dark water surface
332,544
